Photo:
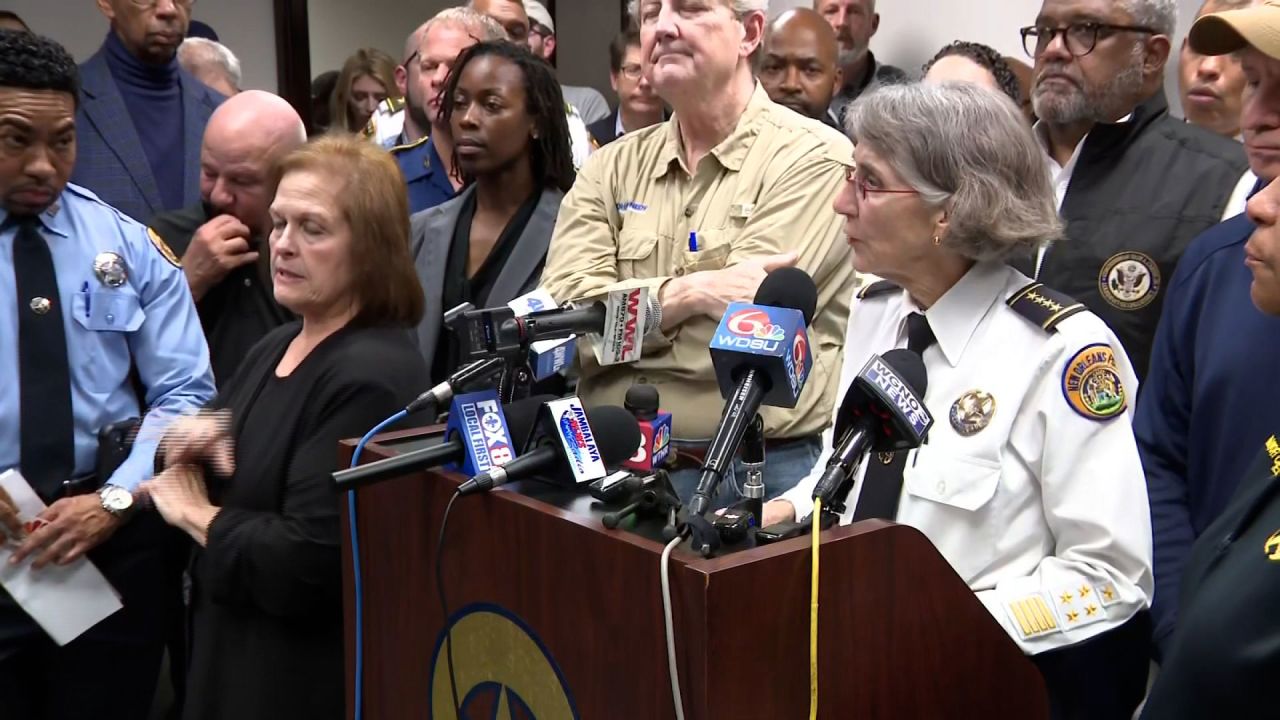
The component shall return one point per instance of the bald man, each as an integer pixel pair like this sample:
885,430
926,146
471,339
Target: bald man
222,240
801,69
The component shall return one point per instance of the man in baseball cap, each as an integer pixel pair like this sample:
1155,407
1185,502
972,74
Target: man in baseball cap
588,101
1200,404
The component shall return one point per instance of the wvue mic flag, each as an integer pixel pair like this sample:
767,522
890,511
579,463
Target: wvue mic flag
477,420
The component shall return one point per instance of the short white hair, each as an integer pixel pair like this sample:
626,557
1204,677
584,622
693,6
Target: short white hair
739,7
480,26
1159,15
196,52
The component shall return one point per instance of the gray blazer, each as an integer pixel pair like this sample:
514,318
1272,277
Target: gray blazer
431,233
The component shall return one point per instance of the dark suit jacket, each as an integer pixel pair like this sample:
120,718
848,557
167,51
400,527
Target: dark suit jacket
110,160
430,236
604,131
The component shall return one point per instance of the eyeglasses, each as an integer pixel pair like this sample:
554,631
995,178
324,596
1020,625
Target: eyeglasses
408,62
148,4
631,72
1080,38
851,175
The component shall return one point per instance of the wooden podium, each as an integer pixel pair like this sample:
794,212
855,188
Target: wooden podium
556,617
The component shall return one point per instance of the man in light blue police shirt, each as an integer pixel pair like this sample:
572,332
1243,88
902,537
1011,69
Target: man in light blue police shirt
89,301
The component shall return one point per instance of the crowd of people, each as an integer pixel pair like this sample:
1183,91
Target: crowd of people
1091,283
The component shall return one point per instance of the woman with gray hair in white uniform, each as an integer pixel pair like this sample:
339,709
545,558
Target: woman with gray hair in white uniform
1029,482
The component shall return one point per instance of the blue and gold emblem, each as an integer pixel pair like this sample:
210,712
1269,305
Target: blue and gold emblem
1091,383
500,668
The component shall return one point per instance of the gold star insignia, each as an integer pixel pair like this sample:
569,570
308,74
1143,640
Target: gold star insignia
1091,610
1084,591
1073,616
1067,598
1108,594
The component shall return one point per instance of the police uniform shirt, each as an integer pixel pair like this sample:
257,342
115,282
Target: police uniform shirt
424,175
765,189
138,312
1226,647
1029,483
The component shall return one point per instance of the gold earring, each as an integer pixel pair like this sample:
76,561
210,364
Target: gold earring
937,240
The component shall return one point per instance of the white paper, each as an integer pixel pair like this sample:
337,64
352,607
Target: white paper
64,600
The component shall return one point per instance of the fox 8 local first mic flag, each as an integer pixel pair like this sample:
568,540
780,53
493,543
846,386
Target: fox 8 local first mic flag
477,420
778,340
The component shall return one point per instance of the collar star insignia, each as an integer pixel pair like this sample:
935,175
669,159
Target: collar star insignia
1084,591
1108,594
1067,598
1073,616
1091,610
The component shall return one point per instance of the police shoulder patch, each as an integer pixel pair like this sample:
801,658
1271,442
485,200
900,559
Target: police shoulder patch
1043,305
883,287
163,247
1091,383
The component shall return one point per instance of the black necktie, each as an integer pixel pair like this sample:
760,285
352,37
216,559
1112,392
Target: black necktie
882,483
47,456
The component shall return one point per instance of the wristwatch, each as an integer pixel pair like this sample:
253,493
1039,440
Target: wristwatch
116,500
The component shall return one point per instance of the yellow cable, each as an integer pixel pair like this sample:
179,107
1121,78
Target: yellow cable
813,617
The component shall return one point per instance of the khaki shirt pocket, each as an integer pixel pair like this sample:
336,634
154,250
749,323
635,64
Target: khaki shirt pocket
714,248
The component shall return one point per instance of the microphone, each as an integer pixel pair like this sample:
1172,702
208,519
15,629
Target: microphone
568,444
461,378
546,357
654,425
619,323
761,357
883,411
520,418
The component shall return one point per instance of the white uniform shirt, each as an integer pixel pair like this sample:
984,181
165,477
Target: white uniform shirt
1044,511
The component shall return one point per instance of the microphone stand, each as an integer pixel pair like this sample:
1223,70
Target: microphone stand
654,497
753,463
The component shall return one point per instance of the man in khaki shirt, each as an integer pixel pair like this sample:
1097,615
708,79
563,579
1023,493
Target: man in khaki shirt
754,181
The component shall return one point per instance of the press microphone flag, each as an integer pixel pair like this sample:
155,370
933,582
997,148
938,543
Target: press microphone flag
772,340
477,420
546,357
654,425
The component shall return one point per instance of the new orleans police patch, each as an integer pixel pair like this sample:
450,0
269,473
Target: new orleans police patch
1129,280
1091,383
163,247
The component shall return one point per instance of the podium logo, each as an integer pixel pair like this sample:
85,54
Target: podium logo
501,668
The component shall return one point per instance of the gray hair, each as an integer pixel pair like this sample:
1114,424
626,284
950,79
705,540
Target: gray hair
482,27
197,52
969,149
739,7
1159,15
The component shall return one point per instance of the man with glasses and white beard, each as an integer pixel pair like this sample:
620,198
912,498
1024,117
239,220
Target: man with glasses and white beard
1134,183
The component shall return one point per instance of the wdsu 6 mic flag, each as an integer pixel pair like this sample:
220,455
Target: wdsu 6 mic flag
777,339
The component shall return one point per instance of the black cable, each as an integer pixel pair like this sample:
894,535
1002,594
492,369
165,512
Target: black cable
444,607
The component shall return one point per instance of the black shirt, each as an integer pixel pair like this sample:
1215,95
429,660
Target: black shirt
458,288
1226,647
266,608
237,312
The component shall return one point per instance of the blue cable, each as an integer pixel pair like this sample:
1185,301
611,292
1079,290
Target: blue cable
355,561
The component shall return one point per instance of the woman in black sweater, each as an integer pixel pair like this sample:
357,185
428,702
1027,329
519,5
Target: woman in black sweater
266,608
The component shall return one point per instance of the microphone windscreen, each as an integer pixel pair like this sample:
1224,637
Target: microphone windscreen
522,415
642,401
616,433
910,368
789,287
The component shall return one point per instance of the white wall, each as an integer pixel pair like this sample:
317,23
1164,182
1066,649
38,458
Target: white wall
340,27
245,26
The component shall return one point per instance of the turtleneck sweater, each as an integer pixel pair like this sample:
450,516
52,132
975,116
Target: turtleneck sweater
153,95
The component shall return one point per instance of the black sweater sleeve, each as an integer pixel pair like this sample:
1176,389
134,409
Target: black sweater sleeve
289,563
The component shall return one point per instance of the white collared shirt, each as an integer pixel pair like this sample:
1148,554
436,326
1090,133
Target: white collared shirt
1041,504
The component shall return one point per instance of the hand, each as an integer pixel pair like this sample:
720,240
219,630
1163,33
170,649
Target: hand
74,526
180,495
710,292
205,436
218,247
10,526
776,511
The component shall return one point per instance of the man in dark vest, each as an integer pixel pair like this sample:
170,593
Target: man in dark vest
223,239
1134,184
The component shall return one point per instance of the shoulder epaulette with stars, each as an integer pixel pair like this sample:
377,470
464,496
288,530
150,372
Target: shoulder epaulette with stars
882,287
1044,306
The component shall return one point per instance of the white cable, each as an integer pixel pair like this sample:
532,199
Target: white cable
671,632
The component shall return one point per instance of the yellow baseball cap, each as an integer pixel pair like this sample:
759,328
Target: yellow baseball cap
1226,32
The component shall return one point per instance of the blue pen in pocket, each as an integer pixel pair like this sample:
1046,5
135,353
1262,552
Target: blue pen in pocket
88,308
693,241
